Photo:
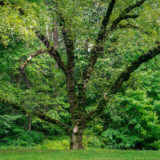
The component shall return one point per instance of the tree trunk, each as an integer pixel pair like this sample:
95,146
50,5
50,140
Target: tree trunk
29,123
76,138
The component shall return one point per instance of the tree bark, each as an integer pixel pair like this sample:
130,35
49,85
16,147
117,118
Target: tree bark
76,138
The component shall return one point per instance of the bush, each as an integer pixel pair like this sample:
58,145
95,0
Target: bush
55,144
23,138
133,122
116,139
92,142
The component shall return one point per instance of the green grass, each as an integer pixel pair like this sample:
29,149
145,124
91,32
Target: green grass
96,154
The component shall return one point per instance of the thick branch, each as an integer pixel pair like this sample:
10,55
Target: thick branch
134,66
55,54
95,52
98,46
115,88
68,41
124,76
52,52
22,66
69,44
67,36
134,27
36,113
106,19
44,39
134,16
125,17
131,7
124,14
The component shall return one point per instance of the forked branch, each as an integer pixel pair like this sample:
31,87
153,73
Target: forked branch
69,45
53,52
123,77
22,66
95,52
98,47
124,15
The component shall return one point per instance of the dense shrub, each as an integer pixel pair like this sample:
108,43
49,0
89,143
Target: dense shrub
133,122
21,137
13,130
59,143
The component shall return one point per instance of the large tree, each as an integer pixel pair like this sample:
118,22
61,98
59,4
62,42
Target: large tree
109,17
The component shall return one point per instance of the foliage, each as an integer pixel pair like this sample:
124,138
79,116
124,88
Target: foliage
23,138
13,130
134,123
50,131
59,144
92,141
12,23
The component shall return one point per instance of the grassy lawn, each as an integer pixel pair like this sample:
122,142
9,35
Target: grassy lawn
96,154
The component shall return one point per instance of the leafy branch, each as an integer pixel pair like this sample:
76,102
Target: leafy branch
40,115
123,77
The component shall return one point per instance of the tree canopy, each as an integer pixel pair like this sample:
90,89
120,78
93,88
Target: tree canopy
64,61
